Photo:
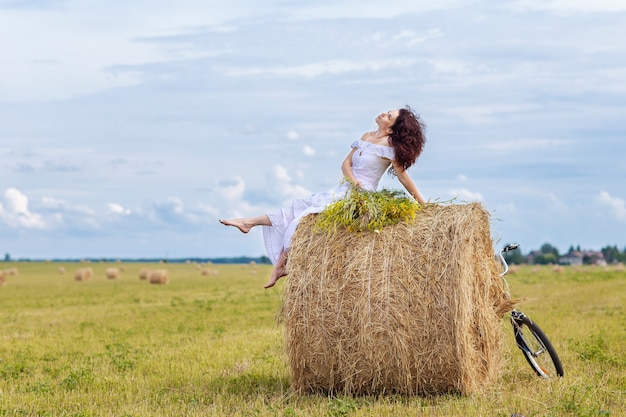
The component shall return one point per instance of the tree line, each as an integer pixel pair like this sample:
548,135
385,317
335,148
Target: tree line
549,254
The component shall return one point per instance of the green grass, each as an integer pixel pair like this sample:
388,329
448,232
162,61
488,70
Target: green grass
211,346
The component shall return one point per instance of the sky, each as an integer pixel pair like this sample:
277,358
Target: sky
127,129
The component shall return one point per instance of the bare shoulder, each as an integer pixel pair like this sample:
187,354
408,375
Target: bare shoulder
368,135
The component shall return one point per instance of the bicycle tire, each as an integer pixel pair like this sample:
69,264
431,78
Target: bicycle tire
534,343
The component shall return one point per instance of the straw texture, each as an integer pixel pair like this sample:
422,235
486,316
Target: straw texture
412,309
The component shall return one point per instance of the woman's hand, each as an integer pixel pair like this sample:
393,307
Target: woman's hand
356,183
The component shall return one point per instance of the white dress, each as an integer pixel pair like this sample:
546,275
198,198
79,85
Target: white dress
369,163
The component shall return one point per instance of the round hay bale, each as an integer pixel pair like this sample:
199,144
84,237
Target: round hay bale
412,309
11,272
159,276
144,274
83,274
112,273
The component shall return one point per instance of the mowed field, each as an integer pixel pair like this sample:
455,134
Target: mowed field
211,345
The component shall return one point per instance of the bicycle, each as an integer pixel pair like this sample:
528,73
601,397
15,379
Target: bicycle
531,340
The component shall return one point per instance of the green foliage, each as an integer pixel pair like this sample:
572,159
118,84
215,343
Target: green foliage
595,349
76,377
340,407
547,248
612,254
546,259
368,210
122,357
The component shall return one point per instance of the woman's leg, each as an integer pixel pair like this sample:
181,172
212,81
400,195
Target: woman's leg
246,223
280,270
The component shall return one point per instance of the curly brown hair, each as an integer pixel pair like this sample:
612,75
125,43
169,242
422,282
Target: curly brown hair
408,137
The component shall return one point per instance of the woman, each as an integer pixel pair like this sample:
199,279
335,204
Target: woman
397,141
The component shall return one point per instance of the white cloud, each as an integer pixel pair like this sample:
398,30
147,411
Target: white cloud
580,6
118,209
616,205
292,135
283,186
280,173
487,113
53,203
206,210
556,204
411,38
463,194
308,151
462,178
317,69
232,189
529,144
17,214
359,9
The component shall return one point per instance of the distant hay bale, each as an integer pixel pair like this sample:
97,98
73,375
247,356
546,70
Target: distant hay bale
159,276
557,269
144,274
83,274
112,273
11,272
3,278
619,267
513,269
61,270
412,309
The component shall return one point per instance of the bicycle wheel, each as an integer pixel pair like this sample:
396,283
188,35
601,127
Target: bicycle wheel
537,349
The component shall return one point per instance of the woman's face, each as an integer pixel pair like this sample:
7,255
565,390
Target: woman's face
387,119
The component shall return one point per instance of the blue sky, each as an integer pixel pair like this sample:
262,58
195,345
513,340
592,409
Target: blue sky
127,129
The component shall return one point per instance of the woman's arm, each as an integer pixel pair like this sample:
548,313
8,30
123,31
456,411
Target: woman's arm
407,182
346,169
346,166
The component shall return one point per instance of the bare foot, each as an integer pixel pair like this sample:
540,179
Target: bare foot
276,275
238,223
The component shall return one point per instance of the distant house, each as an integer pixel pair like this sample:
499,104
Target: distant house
530,258
588,257
572,258
594,258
